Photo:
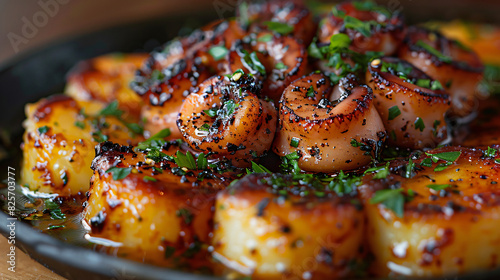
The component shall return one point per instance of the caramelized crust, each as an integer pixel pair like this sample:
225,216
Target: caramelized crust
58,145
443,232
105,79
270,232
156,213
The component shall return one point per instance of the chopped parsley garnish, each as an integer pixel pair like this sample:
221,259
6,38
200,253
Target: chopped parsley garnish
490,152
436,85
185,160
363,27
279,27
437,187
156,141
344,184
185,214
381,172
227,109
257,168
433,51
426,83
54,210
442,166
338,13
98,136
419,124
394,112
80,124
56,227
280,66
372,7
253,62
149,179
446,156
265,38
218,52
111,110
392,199
43,129
295,142
204,127
339,41
409,168
119,173
202,162
310,92
289,163
212,112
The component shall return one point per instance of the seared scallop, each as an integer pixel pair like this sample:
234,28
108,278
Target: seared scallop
272,227
58,145
157,210
436,216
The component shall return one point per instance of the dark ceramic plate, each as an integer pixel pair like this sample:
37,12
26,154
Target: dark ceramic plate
41,73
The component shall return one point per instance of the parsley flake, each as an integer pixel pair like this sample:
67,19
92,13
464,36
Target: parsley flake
394,112
119,173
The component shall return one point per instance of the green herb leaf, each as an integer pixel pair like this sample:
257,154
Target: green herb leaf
43,129
394,112
280,66
426,83
338,13
391,199
295,142
149,179
419,124
202,162
442,166
56,227
99,137
436,85
218,52
119,173
381,172
185,160
339,41
310,92
279,27
491,152
54,210
80,124
344,184
212,112
362,27
155,141
433,51
437,187
185,214
446,156
111,110
265,38
257,168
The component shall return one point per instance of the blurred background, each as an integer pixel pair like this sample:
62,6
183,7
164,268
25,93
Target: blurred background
26,25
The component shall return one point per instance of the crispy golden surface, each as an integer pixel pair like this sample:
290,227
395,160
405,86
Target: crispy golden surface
58,145
156,213
265,234
450,224
107,78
